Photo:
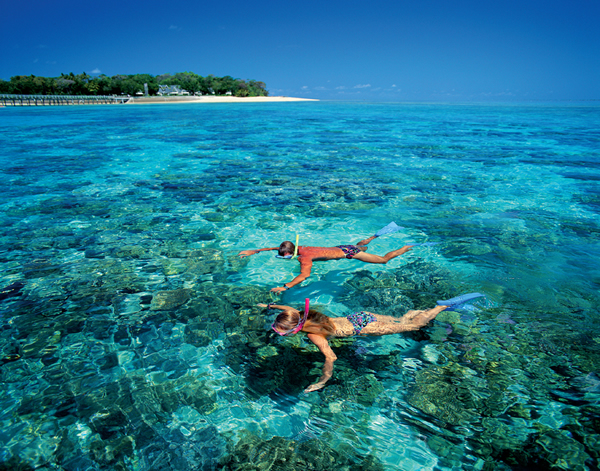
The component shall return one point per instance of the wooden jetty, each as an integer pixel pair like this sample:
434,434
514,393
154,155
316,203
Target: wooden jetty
48,100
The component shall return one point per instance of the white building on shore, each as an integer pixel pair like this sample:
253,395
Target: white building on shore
173,90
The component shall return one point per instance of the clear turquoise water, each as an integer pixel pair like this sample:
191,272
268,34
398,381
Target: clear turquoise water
130,335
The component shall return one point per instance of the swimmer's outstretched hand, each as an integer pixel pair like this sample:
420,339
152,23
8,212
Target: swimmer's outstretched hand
278,289
247,253
314,387
262,305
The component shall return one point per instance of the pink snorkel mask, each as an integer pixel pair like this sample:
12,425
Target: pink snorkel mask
298,328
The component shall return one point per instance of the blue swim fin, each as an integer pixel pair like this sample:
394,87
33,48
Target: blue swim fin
458,301
391,227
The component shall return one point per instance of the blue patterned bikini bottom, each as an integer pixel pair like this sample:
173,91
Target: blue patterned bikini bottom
360,320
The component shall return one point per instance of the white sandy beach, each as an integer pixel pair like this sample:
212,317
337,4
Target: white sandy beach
212,99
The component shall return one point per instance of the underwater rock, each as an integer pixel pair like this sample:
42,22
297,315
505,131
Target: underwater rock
14,289
200,395
267,351
214,217
450,317
15,463
288,369
67,242
94,253
253,454
184,450
99,326
344,393
436,394
173,267
107,424
39,268
38,345
205,236
9,358
169,300
205,261
592,442
197,336
216,303
362,280
131,304
367,390
113,452
450,455
130,251
416,285
558,450
468,246
385,301
503,439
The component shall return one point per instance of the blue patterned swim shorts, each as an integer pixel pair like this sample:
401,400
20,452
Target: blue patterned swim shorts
349,250
360,320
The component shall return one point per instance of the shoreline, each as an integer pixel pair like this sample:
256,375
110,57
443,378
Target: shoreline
39,100
152,100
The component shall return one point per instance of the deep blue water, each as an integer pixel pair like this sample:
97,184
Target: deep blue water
131,339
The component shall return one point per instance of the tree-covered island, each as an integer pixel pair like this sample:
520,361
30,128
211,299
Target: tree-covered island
84,84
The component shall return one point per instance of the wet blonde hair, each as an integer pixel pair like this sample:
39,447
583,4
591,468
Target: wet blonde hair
317,323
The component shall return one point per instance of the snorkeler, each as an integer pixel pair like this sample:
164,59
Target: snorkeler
319,327
306,255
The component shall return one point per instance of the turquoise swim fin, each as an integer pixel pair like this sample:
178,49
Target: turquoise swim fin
391,227
456,303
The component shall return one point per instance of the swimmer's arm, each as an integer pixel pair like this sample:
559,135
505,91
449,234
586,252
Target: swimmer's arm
276,306
323,345
305,267
247,253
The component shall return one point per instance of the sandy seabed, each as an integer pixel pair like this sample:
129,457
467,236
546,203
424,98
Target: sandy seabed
212,99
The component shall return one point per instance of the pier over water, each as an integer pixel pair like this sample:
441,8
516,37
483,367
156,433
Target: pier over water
47,100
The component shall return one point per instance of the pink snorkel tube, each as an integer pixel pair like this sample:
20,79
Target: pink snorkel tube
299,328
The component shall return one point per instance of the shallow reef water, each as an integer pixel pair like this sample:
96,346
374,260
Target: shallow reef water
130,335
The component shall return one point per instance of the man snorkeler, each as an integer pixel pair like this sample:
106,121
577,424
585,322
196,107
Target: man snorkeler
308,255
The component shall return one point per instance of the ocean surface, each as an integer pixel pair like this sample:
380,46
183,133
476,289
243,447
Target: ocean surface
130,334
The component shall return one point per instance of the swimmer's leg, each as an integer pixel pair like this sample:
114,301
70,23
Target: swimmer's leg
366,241
403,320
415,322
372,258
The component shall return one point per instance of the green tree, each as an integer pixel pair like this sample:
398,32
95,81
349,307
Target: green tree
218,86
84,84
206,85
257,88
79,86
242,88
104,85
141,79
92,87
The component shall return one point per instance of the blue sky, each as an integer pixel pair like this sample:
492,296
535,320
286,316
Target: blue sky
417,50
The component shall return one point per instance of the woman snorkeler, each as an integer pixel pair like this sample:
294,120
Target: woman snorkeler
320,327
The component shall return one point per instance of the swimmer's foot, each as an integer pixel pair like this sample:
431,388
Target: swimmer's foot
458,301
432,313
